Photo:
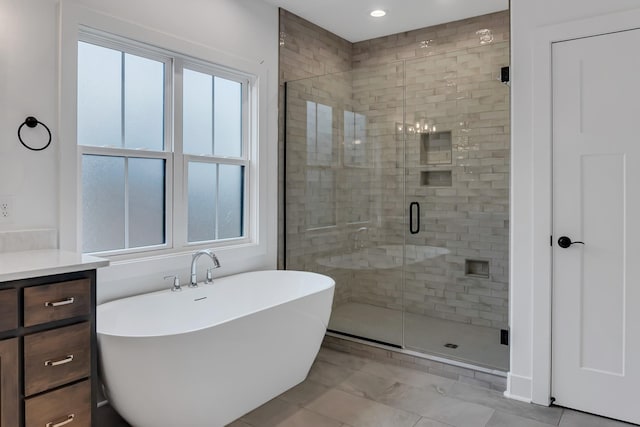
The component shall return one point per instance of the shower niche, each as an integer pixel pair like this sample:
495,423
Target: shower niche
435,148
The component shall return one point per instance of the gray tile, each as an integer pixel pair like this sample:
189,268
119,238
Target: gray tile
458,413
409,376
361,412
328,374
366,385
433,405
305,418
239,423
502,419
341,359
409,398
305,392
426,422
271,413
580,419
495,400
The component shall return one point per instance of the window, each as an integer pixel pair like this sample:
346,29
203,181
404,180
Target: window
163,140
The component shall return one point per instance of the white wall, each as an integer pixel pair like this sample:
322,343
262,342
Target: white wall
528,18
29,32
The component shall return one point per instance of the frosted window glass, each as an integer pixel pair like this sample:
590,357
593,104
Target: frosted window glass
230,200
197,113
202,201
321,198
99,96
319,134
143,103
146,202
355,139
324,134
103,203
311,133
228,118
349,129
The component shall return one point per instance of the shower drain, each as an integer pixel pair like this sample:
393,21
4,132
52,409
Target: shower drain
449,345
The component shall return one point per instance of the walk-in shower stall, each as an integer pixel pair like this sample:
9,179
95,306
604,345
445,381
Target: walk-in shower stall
397,186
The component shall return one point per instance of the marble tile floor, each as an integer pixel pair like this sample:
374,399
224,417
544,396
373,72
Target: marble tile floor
344,390
477,345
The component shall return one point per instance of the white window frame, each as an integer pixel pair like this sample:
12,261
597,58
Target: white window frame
259,245
243,160
117,43
176,233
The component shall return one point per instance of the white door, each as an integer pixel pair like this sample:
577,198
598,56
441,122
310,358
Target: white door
596,200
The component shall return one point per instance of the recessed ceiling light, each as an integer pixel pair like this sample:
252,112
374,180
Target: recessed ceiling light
378,13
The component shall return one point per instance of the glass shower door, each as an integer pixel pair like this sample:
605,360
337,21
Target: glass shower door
457,169
344,184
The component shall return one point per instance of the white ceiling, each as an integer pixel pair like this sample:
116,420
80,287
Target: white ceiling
350,18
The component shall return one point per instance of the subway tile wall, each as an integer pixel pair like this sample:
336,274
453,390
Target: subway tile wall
437,130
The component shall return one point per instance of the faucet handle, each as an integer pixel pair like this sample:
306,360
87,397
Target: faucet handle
209,278
176,283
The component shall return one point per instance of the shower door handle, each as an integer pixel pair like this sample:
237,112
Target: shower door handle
413,205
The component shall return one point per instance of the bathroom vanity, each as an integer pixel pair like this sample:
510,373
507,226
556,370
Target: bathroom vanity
48,355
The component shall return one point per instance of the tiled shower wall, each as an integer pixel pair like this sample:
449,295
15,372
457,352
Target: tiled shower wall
444,78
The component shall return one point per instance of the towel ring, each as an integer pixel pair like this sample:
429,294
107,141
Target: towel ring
32,122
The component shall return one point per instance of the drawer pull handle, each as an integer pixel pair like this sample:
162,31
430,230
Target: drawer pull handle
64,361
69,419
65,301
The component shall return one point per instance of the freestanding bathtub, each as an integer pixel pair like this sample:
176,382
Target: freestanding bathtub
206,356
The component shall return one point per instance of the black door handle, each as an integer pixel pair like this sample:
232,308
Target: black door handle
411,229
564,242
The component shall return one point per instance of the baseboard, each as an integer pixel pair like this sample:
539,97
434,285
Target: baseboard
518,388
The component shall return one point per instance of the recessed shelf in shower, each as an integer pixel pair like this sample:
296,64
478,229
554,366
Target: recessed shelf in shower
476,268
435,148
437,178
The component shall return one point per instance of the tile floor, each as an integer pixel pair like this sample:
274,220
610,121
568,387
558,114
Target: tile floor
477,345
344,390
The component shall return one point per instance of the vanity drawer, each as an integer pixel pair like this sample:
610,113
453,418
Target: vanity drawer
69,406
46,303
56,357
9,311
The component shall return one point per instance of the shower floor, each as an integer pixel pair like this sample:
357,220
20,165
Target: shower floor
477,345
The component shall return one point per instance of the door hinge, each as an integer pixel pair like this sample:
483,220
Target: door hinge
504,336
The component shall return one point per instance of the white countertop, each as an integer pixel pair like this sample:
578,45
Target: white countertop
27,264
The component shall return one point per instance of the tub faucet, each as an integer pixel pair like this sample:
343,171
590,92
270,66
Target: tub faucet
194,262
357,240
176,283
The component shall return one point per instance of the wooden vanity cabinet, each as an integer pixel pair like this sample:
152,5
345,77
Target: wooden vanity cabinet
9,382
48,353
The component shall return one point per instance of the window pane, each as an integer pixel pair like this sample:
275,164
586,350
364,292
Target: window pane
143,103
197,113
311,133
228,118
146,202
355,139
99,96
230,201
202,201
103,204
319,134
324,134
321,198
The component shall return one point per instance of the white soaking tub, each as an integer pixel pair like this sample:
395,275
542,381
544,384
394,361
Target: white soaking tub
206,356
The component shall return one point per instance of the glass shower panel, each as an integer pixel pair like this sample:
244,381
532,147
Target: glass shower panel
344,194
457,169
